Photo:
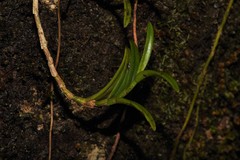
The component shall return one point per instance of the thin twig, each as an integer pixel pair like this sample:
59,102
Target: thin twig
59,35
201,78
50,128
49,58
114,147
118,135
193,133
52,92
135,23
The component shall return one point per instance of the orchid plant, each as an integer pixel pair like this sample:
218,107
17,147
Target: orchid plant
130,72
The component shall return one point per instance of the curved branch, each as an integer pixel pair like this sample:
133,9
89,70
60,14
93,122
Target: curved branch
43,43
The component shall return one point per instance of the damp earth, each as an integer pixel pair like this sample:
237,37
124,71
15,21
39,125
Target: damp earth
93,41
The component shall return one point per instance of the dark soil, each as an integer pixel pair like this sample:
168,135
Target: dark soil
93,41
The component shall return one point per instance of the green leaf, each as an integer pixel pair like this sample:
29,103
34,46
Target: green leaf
135,53
148,73
108,88
127,76
132,67
164,75
127,13
132,64
137,106
147,48
121,80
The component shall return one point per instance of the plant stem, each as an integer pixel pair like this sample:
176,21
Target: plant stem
201,78
135,23
193,133
52,87
114,147
53,71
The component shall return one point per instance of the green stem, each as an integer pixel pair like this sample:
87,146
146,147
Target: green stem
201,78
193,133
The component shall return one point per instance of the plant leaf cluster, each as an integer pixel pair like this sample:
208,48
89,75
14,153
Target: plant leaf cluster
130,72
